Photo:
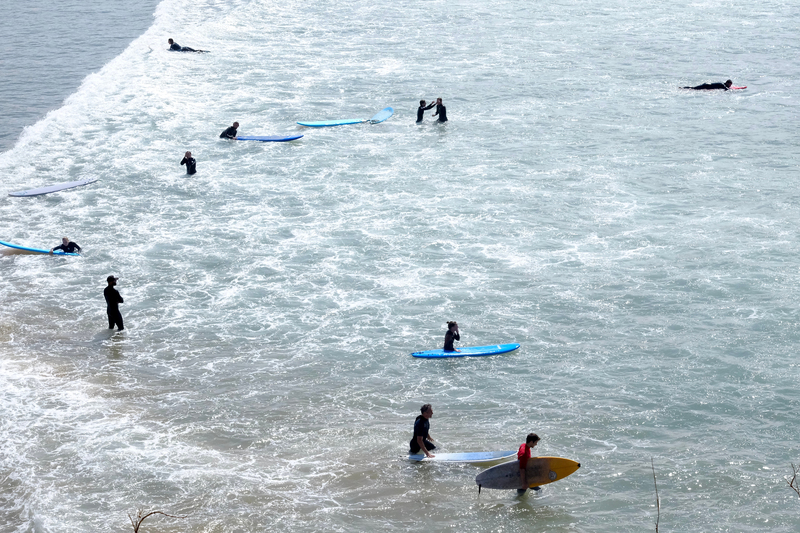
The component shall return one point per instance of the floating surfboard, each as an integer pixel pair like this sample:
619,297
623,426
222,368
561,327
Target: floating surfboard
52,188
380,116
270,139
540,471
472,457
473,351
36,250
737,88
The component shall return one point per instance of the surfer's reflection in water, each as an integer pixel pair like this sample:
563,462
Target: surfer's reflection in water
450,336
422,438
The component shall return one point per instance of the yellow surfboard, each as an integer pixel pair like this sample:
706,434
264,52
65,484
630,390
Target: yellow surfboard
540,471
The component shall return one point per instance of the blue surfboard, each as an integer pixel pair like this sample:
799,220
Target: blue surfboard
328,123
37,250
473,351
270,139
382,115
52,188
470,457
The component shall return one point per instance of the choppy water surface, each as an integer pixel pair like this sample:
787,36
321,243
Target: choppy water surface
639,241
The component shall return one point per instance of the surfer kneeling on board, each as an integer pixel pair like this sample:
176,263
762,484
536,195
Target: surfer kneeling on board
229,133
175,47
523,454
450,336
66,245
421,109
711,86
422,438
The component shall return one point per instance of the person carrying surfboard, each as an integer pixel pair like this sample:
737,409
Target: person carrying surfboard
523,455
711,86
229,133
450,336
422,438
66,245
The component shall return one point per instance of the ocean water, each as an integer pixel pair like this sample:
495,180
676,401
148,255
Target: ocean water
638,240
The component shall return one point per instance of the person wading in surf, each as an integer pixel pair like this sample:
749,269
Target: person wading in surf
421,109
523,454
67,246
450,336
422,438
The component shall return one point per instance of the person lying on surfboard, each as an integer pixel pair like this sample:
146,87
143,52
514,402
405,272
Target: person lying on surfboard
523,455
229,133
711,86
422,438
450,336
175,47
66,245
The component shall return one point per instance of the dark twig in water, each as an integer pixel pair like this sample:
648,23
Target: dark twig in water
139,518
658,504
793,482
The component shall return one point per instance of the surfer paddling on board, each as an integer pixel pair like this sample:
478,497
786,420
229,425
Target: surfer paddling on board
68,246
450,336
441,111
421,109
230,133
175,47
190,162
711,86
113,299
422,438
523,454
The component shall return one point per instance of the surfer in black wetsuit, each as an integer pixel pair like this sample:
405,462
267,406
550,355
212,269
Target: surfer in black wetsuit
450,336
67,246
113,299
230,133
190,162
441,111
175,47
421,441
421,109
711,86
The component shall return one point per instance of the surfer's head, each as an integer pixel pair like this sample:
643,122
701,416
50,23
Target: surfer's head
452,324
426,410
65,240
728,83
235,124
422,103
170,41
532,439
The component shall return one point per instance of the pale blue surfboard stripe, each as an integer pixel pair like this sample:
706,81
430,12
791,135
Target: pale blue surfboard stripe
470,457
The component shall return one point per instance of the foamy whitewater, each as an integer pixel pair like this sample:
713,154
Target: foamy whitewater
638,240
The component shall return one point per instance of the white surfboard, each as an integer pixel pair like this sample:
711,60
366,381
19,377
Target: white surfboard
472,457
52,188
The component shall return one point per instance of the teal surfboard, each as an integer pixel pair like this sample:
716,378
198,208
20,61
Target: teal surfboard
36,250
473,351
382,115
472,457
328,123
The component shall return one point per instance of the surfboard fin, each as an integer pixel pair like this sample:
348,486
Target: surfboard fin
479,489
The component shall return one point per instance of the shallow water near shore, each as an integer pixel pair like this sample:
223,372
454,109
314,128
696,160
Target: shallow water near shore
637,240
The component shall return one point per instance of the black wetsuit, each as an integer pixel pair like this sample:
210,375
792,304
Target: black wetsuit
69,248
421,110
441,112
708,86
421,428
178,48
191,164
449,337
113,299
230,133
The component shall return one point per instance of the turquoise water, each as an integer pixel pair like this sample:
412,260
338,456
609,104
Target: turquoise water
637,240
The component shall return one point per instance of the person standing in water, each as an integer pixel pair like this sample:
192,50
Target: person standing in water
450,336
113,299
441,111
422,438
190,162
67,246
421,109
229,133
523,454
711,86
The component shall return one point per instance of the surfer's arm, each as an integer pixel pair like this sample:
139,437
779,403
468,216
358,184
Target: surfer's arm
421,443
